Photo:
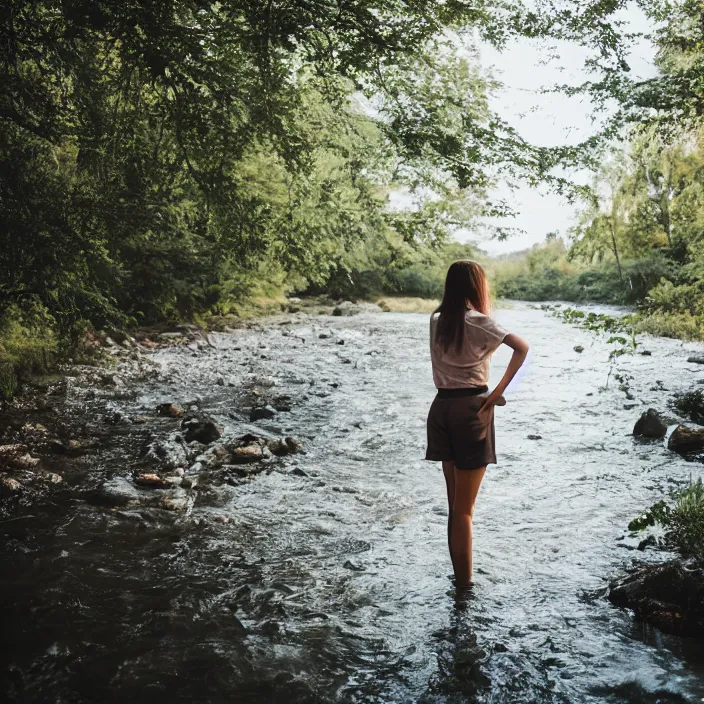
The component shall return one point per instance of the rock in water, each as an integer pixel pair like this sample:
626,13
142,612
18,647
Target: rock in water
170,452
248,453
669,596
172,410
8,485
262,413
201,430
285,446
154,481
684,440
650,425
118,492
696,359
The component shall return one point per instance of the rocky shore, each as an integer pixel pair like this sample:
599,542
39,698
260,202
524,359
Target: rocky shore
54,435
670,595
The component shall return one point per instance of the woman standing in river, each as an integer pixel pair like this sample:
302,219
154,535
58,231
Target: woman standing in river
461,418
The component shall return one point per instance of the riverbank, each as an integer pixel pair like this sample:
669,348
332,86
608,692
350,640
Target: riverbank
329,559
41,439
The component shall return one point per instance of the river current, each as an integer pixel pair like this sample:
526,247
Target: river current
326,577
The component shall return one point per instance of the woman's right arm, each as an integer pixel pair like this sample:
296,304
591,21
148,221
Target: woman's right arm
520,351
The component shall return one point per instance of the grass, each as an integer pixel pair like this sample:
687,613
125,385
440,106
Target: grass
406,304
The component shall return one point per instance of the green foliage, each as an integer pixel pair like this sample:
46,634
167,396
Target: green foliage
690,405
27,344
159,160
686,521
657,513
683,519
681,326
602,324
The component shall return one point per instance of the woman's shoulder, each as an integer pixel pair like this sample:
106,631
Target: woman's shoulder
486,322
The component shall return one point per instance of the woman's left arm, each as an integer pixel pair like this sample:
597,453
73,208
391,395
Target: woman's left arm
520,350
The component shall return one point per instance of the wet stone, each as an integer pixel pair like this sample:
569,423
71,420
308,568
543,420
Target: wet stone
171,410
696,359
8,485
685,440
650,425
118,492
201,430
246,454
670,596
152,481
262,413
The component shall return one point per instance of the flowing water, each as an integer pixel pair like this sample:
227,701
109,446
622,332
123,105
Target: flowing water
325,578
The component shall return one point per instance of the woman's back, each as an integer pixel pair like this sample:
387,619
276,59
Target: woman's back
467,366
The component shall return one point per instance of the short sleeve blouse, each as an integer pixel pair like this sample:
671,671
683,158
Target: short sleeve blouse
468,367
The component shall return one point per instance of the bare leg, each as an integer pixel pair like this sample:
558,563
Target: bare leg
467,483
448,469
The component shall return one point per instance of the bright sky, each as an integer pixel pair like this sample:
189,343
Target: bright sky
546,120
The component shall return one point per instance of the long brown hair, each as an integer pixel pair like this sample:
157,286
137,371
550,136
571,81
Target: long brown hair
465,285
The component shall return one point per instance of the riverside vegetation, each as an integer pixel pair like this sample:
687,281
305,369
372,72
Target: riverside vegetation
183,160
668,595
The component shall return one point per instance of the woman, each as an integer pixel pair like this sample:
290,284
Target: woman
461,419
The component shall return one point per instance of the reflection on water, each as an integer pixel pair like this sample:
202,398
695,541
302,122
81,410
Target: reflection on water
326,577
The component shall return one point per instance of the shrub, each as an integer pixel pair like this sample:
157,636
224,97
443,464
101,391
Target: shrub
681,326
28,344
691,405
683,519
686,521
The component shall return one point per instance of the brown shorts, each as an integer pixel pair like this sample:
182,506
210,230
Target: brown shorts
456,433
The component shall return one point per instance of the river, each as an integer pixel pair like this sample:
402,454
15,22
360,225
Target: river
325,578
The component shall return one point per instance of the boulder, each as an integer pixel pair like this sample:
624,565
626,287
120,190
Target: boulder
118,492
668,596
650,425
685,440
201,430
696,359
